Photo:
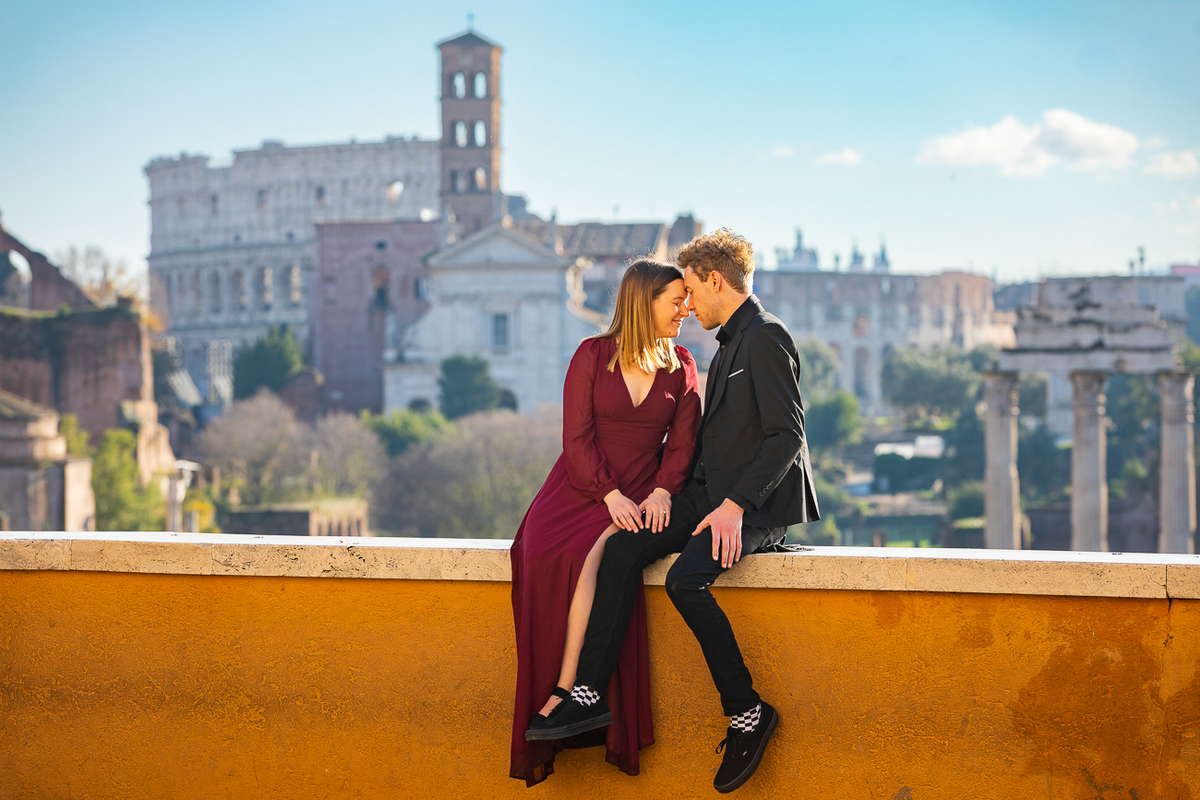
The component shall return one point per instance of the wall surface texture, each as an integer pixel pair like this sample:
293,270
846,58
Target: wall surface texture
118,680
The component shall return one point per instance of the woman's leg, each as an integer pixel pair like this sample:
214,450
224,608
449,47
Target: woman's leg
577,617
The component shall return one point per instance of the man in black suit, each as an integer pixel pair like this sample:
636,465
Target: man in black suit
751,478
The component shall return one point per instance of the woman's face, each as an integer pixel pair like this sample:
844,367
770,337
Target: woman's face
669,310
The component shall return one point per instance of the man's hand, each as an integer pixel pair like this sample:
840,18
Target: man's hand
656,510
726,523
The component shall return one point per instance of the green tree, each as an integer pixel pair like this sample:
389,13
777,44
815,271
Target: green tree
268,362
966,501
818,368
1192,304
839,510
78,442
833,421
1032,394
929,382
1191,355
1135,481
121,503
894,473
1132,405
964,459
978,358
467,387
401,429
1044,467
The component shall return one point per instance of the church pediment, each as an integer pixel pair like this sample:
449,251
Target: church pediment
497,244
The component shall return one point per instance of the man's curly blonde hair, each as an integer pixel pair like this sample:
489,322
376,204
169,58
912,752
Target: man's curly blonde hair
727,252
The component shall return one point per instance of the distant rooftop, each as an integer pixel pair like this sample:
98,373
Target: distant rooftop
468,39
599,239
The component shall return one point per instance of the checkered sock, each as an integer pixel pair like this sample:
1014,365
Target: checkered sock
746,721
584,695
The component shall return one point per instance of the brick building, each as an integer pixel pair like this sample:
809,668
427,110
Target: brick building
371,288
80,359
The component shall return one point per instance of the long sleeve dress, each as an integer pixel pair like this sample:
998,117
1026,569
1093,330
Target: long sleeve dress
608,443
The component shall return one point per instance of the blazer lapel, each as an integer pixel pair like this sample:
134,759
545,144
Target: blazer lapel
722,374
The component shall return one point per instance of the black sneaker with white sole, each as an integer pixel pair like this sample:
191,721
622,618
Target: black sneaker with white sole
744,749
569,718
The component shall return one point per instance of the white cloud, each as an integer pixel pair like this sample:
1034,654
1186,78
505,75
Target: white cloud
1060,136
1182,214
846,157
1179,164
782,151
1155,143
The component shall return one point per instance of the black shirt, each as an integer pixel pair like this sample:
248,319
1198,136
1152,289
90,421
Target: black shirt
737,320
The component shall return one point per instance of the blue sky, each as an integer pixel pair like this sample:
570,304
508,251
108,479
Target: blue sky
1014,138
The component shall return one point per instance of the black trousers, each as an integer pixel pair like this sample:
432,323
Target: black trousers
627,553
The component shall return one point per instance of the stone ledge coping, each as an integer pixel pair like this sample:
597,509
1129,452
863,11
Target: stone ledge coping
912,569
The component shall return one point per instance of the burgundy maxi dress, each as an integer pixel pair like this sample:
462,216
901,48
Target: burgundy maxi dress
608,443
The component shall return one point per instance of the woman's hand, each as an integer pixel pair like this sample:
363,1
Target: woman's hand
656,510
624,512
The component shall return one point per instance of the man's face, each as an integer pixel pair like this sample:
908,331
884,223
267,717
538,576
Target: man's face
701,299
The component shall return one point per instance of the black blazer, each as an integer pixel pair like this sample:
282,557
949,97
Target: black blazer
751,446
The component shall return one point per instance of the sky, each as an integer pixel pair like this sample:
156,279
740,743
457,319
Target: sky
1015,139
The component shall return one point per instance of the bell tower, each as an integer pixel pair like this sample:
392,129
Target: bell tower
470,151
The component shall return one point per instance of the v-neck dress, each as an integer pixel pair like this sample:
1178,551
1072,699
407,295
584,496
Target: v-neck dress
608,443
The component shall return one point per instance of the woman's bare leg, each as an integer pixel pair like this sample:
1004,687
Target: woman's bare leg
577,617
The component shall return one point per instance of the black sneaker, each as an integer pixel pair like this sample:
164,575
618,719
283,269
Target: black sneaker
744,750
569,718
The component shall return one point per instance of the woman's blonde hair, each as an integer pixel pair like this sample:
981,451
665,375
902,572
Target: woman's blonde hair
633,321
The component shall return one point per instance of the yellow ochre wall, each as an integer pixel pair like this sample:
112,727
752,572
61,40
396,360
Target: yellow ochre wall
131,686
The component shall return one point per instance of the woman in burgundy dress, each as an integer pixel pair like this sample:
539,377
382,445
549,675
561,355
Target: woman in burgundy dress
625,390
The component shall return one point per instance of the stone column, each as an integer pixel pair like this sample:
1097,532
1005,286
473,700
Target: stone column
1089,486
1002,496
1177,465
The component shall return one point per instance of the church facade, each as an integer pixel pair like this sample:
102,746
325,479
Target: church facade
503,295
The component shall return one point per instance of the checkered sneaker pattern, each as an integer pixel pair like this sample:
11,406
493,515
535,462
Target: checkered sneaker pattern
584,695
747,720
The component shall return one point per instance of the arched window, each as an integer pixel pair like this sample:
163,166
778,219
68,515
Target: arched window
460,134
295,289
197,293
862,322
479,180
458,181
214,282
266,287
862,365
458,85
394,190
238,290
380,278
320,195
480,84
480,133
